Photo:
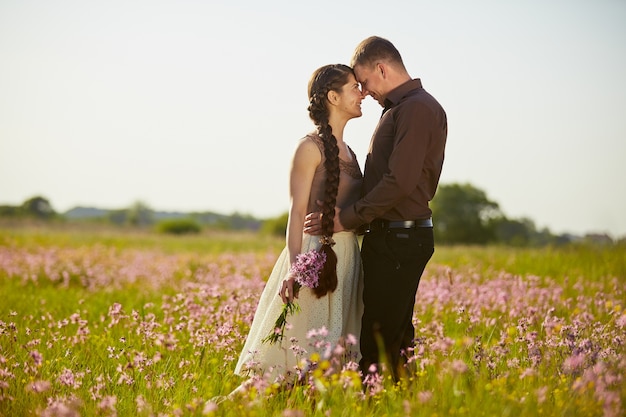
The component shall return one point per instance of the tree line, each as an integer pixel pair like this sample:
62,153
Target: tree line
462,214
137,215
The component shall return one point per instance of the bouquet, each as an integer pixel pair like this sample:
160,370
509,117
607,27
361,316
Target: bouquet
306,270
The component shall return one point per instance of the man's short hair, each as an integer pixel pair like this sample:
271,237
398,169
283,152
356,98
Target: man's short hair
375,49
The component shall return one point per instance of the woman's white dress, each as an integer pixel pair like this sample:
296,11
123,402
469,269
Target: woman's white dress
339,312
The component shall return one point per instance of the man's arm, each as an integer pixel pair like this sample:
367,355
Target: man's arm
404,171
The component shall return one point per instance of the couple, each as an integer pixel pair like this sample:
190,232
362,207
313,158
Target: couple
369,294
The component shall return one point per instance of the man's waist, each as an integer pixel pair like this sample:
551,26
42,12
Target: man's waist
383,224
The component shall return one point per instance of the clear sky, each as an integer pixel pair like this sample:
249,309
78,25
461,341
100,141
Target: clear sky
197,105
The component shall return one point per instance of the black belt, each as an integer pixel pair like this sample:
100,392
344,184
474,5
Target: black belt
382,224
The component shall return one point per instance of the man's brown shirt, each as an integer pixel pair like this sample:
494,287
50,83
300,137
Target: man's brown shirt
404,160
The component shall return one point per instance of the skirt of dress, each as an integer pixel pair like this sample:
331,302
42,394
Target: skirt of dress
339,313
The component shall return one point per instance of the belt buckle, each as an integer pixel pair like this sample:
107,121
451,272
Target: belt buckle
408,224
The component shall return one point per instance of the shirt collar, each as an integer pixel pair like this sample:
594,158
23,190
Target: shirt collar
400,91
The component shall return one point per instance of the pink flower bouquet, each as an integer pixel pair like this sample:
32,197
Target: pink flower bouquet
306,270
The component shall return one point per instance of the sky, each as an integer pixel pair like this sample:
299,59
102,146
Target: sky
198,105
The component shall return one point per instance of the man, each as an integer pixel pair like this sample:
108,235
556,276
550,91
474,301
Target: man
401,175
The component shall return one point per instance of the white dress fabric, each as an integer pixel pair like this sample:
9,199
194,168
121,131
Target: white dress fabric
339,312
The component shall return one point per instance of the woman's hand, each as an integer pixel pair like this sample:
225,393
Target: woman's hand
286,290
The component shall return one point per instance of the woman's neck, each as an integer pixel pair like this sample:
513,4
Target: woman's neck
337,125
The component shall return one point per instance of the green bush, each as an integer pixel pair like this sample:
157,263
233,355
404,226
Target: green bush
276,226
178,226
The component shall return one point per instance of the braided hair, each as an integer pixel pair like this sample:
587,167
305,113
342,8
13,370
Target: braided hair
325,79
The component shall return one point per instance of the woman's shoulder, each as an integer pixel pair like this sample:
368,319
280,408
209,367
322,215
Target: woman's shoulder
311,147
315,138
311,142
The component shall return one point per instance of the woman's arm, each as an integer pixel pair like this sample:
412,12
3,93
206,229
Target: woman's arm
306,159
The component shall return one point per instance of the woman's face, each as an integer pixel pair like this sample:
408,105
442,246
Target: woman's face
350,98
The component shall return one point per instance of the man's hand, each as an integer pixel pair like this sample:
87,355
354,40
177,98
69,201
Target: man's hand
313,222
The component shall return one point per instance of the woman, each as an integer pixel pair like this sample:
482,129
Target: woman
323,169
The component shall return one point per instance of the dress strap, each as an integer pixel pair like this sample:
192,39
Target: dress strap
317,140
351,168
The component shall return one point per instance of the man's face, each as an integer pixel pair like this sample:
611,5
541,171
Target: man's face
371,81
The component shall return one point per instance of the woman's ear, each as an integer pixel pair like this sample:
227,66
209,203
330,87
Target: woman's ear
333,97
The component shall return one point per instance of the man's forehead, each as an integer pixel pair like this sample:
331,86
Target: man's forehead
360,72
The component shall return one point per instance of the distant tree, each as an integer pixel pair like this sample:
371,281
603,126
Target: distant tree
463,214
9,211
118,217
240,221
38,207
545,237
139,214
207,218
276,226
237,221
178,226
514,232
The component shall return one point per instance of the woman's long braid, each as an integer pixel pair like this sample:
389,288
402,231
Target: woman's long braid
328,275
331,77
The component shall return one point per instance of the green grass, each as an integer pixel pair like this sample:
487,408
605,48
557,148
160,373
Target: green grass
209,241
498,330
573,261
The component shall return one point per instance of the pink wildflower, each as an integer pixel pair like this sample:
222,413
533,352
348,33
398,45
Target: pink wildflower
424,396
542,394
373,382
339,350
406,405
39,386
322,332
307,268
142,404
108,403
459,366
293,413
528,372
37,357
209,407
67,377
59,408
574,362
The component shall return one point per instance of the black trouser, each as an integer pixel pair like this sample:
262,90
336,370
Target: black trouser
393,262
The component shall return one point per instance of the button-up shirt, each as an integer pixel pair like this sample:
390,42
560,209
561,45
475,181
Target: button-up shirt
404,160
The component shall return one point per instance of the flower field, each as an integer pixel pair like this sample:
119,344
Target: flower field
114,324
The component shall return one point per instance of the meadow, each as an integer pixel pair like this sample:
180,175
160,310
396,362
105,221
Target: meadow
128,323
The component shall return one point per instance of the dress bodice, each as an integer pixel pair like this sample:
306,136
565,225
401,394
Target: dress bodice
350,179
